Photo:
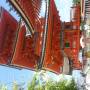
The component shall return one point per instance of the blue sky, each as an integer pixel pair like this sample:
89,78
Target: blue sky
62,5
64,9
7,7
7,75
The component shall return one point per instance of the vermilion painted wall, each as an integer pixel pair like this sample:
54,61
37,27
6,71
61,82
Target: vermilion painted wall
72,37
8,29
53,59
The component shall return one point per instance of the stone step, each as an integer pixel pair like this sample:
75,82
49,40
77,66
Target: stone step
87,3
88,6
86,11
87,0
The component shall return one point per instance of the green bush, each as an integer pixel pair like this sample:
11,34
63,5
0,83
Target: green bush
36,84
76,2
52,85
3,87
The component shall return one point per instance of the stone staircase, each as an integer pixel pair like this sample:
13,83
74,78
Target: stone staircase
87,8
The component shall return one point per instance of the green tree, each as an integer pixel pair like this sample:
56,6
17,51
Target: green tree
51,84
76,2
3,87
15,86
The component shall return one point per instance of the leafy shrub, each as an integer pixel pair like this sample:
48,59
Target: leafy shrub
52,85
36,84
76,2
3,87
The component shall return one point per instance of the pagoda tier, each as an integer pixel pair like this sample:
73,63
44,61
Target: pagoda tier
8,30
47,41
24,54
53,59
27,49
16,48
72,37
29,10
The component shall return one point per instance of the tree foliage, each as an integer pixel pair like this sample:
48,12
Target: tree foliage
52,85
36,84
76,2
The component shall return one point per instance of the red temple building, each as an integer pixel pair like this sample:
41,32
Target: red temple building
72,37
44,47
8,30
